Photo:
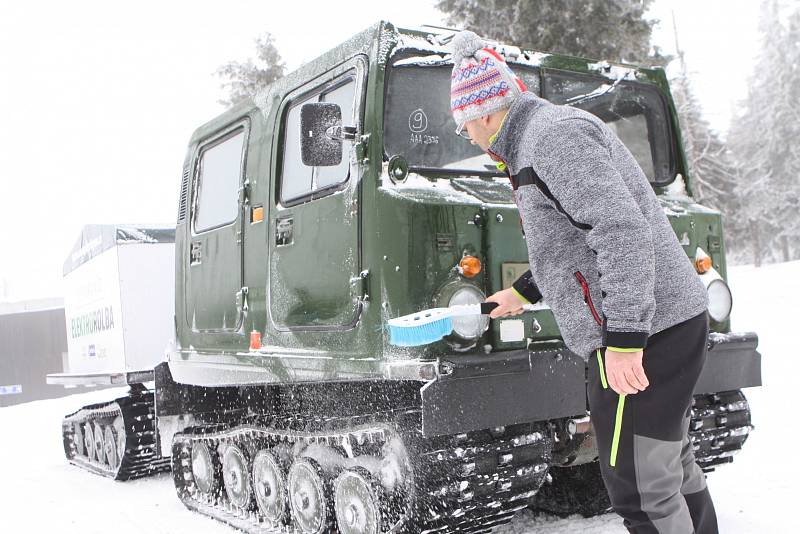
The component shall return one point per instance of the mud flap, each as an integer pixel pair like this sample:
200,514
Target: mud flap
732,363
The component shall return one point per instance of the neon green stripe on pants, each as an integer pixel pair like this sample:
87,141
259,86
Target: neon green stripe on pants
617,430
602,370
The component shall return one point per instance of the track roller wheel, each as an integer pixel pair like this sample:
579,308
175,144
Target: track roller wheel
357,500
77,439
88,440
122,439
110,445
310,510
236,477
205,472
99,443
269,486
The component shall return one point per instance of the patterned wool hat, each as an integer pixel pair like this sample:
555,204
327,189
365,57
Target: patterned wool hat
482,81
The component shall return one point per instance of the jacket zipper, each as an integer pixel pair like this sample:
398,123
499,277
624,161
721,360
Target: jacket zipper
587,298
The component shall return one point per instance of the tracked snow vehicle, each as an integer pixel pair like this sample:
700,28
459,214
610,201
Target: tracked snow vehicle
341,198
118,306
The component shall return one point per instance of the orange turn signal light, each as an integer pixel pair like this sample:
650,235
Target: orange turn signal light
702,265
257,214
470,266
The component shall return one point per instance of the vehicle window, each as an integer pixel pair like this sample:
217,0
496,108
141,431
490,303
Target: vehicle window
633,111
342,95
218,177
530,77
419,125
633,132
295,177
298,180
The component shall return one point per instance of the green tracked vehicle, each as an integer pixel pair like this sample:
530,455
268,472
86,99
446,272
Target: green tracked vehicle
340,198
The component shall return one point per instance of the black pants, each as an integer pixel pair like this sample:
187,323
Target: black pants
646,459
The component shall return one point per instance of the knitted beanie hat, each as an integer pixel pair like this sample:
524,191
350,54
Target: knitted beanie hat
482,81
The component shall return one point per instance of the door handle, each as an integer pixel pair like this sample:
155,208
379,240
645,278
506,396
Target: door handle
196,253
284,231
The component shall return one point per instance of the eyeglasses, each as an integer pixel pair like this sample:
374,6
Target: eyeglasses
463,133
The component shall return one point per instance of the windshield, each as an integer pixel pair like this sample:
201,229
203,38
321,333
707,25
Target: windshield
418,123
419,126
635,112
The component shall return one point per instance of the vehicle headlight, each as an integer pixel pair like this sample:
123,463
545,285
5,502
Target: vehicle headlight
720,300
469,327
467,330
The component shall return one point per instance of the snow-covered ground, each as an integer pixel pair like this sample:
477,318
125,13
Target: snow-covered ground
41,492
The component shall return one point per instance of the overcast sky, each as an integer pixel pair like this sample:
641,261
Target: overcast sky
98,99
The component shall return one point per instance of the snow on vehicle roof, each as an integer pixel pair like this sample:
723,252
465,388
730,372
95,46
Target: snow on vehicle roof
433,59
614,72
432,43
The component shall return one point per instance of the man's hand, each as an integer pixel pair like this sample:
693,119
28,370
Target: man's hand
625,372
509,304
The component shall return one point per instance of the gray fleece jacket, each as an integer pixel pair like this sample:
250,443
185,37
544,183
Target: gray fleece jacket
602,252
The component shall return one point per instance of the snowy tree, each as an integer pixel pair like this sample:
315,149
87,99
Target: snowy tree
711,169
764,137
786,174
604,29
243,80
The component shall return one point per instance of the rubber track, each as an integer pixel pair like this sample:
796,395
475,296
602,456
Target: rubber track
468,483
719,427
138,416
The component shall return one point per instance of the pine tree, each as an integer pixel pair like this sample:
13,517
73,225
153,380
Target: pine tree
711,167
763,139
603,29
244,80
786,173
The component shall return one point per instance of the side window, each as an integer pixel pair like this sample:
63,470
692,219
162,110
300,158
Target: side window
342,95
219,174
295,177
298,180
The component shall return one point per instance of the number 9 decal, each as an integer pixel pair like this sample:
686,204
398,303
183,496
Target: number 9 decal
417,121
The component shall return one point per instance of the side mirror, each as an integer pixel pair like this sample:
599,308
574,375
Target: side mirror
317,146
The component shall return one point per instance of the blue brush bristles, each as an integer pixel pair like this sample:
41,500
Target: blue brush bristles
412,336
